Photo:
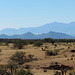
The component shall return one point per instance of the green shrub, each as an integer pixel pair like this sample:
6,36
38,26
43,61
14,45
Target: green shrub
18,57
18,45
38,43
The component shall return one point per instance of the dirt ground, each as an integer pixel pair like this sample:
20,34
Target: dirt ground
64,56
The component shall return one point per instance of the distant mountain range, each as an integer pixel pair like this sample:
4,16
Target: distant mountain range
68,28
29,35
52,30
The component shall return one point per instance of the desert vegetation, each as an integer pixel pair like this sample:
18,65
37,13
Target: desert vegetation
37,57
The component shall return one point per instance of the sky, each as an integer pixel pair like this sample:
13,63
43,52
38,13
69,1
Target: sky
34,13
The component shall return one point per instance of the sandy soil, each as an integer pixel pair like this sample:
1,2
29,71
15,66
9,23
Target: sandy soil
64,56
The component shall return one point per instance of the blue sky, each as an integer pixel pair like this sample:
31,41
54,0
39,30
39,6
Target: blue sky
33,13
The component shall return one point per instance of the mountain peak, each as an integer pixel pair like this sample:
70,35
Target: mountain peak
29,33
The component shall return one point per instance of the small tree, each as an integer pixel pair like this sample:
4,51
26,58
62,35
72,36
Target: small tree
18,45
18,57
12,67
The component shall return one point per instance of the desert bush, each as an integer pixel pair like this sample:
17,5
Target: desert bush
3,70
50,53
18,45
71,58
12,67
72,55
55,45
56,63
23,72
27,66
50,40
30,56
38,43
45,70
30,42
56,51
18,57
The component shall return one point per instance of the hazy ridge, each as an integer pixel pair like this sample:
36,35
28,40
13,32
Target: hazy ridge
68,28
29,35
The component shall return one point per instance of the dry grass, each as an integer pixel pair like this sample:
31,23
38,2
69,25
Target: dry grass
63,57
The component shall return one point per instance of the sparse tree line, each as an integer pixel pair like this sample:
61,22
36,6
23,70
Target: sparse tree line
32,41
19,43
